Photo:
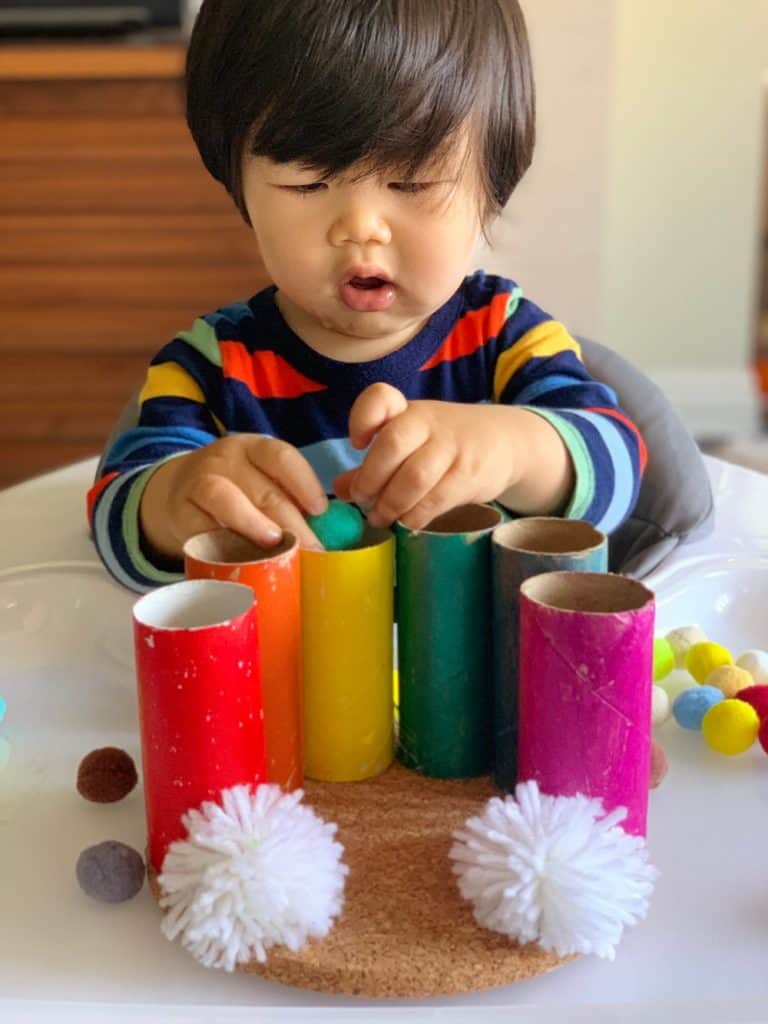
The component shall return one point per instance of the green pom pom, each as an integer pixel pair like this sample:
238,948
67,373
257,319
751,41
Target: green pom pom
663,658
339,527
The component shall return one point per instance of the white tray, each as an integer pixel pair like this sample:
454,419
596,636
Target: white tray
66,674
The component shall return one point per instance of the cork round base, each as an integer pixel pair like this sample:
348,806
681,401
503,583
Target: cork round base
404,931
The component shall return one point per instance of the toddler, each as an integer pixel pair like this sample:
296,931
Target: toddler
369,144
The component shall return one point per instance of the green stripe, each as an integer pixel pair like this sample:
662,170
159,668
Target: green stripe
131,527
203,338
584,487
514,302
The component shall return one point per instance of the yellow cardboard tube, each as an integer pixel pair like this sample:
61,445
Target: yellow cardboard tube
347,627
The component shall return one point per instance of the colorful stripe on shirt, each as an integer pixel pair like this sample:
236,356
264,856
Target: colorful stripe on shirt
241,369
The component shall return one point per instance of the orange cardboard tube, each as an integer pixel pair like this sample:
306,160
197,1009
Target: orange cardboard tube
274,576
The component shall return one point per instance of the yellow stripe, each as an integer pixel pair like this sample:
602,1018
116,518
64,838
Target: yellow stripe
169,380
545,339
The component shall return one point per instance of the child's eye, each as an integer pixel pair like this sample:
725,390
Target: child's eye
306,190
411,187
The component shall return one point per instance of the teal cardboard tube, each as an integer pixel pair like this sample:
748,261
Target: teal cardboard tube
521,549
444,611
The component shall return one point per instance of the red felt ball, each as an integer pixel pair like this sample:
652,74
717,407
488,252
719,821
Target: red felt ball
757,696
762,734
659,765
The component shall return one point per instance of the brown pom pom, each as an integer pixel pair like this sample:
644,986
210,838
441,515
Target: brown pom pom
106,775
658,765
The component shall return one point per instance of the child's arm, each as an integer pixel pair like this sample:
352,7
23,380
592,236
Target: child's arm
554,441
178,472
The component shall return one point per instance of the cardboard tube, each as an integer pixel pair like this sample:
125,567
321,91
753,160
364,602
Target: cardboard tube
200,711
586,651
444,643
520,549
274,576
347,629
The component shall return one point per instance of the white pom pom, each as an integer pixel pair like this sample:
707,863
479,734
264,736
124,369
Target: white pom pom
682,639
553,870
258,871
756,663
661,706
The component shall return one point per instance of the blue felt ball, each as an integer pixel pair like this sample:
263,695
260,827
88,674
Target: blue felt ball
690,706
340,526
2,709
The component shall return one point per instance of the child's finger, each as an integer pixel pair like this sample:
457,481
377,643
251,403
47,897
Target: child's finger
293,474
448,493
398,440
222,501
342,485
413,484
372,410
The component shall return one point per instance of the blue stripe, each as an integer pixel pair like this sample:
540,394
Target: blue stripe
330,458
107,527
233,314
624,476
560,380
139,438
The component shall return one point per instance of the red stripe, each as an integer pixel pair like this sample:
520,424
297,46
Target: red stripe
95,491
628,423
474,330
265,374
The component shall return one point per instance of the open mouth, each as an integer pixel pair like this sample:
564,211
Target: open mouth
367,293
368,283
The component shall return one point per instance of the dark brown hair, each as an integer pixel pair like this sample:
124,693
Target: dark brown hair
380,83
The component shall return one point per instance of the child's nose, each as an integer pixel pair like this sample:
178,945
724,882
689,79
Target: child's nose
359,223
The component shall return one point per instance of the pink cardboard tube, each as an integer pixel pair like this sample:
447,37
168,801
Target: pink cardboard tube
586,652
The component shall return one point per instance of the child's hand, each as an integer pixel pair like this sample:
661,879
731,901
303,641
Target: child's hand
256,486
427,457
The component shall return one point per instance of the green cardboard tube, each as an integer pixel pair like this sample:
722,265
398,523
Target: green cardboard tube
444,606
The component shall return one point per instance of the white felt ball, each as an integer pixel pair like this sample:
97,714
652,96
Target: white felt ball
682,638
554,870
756,663
677,681
661,706
260,870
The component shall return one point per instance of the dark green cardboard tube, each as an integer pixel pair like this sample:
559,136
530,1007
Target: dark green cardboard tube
521,549
444,612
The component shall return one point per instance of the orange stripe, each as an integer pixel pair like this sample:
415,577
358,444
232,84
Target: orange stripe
96,490
473,331
265,374
628,423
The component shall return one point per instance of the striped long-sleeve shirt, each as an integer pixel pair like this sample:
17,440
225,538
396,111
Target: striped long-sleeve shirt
242,369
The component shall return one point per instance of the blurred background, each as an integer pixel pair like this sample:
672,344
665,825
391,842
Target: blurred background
643,222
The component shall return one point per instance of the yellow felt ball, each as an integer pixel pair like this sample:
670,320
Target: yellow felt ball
731,726
730,679
704,658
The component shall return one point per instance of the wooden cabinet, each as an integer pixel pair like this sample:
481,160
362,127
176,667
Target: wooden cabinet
112,238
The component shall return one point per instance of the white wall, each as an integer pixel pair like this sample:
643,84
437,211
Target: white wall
638,222
684,189
550,235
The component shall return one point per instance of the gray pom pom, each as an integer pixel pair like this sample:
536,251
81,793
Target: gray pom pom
110,871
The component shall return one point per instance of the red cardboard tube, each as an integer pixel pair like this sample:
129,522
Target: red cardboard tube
200,708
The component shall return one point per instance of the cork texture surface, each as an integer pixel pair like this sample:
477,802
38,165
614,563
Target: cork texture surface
404,931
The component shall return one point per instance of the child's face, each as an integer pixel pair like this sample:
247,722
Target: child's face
360,265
